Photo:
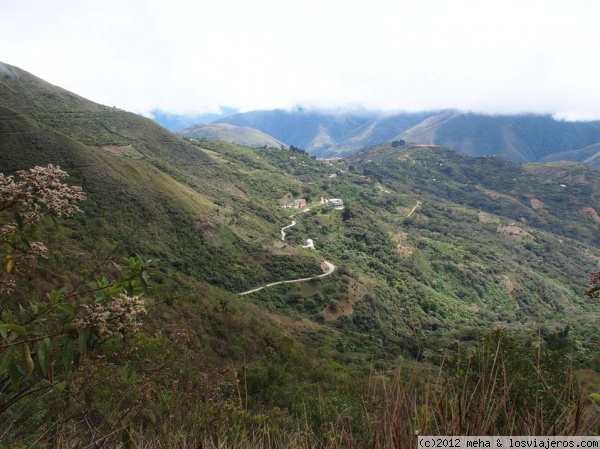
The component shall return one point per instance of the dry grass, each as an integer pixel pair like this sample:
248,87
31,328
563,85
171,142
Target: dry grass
500,388
485,397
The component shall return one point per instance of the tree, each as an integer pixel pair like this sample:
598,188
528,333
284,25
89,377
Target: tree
346,214
43,340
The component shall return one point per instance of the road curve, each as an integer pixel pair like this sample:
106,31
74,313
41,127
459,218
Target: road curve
330,269
285,227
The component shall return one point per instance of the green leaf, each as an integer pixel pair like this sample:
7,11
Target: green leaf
15,328
7,356
67,308
43,355
22,312
14,373
129,289
26,356
54,296
85,340
595,397
68,354
68,327
144,285
4,332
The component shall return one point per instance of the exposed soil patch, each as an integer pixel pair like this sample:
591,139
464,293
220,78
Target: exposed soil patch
342,309
591,212
403,248
537,204
497,195
356,292
205,225
513,231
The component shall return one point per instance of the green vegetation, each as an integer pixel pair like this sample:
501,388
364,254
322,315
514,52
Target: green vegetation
240,135
521,138
433,251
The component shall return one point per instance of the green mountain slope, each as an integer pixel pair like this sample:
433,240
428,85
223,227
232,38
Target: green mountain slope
589,155
521,138
432,249
240,135
132,167
215,216
328,134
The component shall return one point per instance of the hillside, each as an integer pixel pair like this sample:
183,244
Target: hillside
589,155
313,131
521,138
194,200
240,135
432,250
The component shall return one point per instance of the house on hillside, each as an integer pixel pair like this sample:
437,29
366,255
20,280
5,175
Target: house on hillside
296,204
336,203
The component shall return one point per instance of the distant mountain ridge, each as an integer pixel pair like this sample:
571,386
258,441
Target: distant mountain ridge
241,135
520,138
177,122
324,133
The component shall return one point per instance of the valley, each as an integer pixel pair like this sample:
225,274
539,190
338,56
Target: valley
360,339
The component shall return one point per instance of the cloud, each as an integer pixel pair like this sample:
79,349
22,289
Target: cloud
190,56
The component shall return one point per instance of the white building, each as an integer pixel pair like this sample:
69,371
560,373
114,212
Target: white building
336,203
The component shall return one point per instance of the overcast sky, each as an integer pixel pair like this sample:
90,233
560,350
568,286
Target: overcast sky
186,56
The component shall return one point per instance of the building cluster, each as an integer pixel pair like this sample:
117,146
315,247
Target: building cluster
296,204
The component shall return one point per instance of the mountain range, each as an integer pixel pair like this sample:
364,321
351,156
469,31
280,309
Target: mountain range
432,249
213,209
520,138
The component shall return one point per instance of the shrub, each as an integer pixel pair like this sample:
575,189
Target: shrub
42,341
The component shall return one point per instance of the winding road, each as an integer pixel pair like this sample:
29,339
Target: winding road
330,269
285,227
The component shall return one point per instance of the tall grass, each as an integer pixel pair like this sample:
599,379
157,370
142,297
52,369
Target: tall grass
501,387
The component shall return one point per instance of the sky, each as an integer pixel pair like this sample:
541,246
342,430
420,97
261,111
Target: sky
195,56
